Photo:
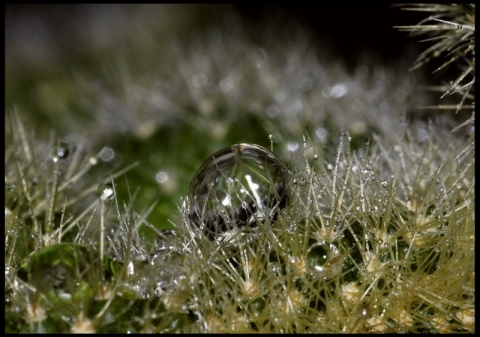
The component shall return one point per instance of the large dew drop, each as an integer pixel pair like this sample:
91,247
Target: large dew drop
242,185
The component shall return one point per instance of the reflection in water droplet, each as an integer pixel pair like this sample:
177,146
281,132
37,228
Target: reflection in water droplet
238,186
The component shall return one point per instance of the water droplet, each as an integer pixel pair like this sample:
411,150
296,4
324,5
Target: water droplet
199,79
364,311
273,111
226,84
63,151
315,157
107,154
306,84
317,256
324,260
321,134
258,305
130,269
13,188
292,146
106,191
161,177
276,268
258,194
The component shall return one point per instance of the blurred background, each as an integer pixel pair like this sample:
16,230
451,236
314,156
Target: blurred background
169,85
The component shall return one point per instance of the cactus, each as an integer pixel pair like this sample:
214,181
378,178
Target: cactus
362,219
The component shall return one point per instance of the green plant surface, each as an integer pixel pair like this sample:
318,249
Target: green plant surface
371,230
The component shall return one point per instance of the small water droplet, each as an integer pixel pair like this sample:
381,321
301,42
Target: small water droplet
364,311
258,305
106,191
62,151
260,192
315,157
199,79
226,84
161,177
422,135
107,154
130,268
317,256
10,188
292,146
276,268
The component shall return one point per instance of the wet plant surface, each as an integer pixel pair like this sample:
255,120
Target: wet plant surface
229,184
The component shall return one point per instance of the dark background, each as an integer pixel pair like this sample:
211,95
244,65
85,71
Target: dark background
348,30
